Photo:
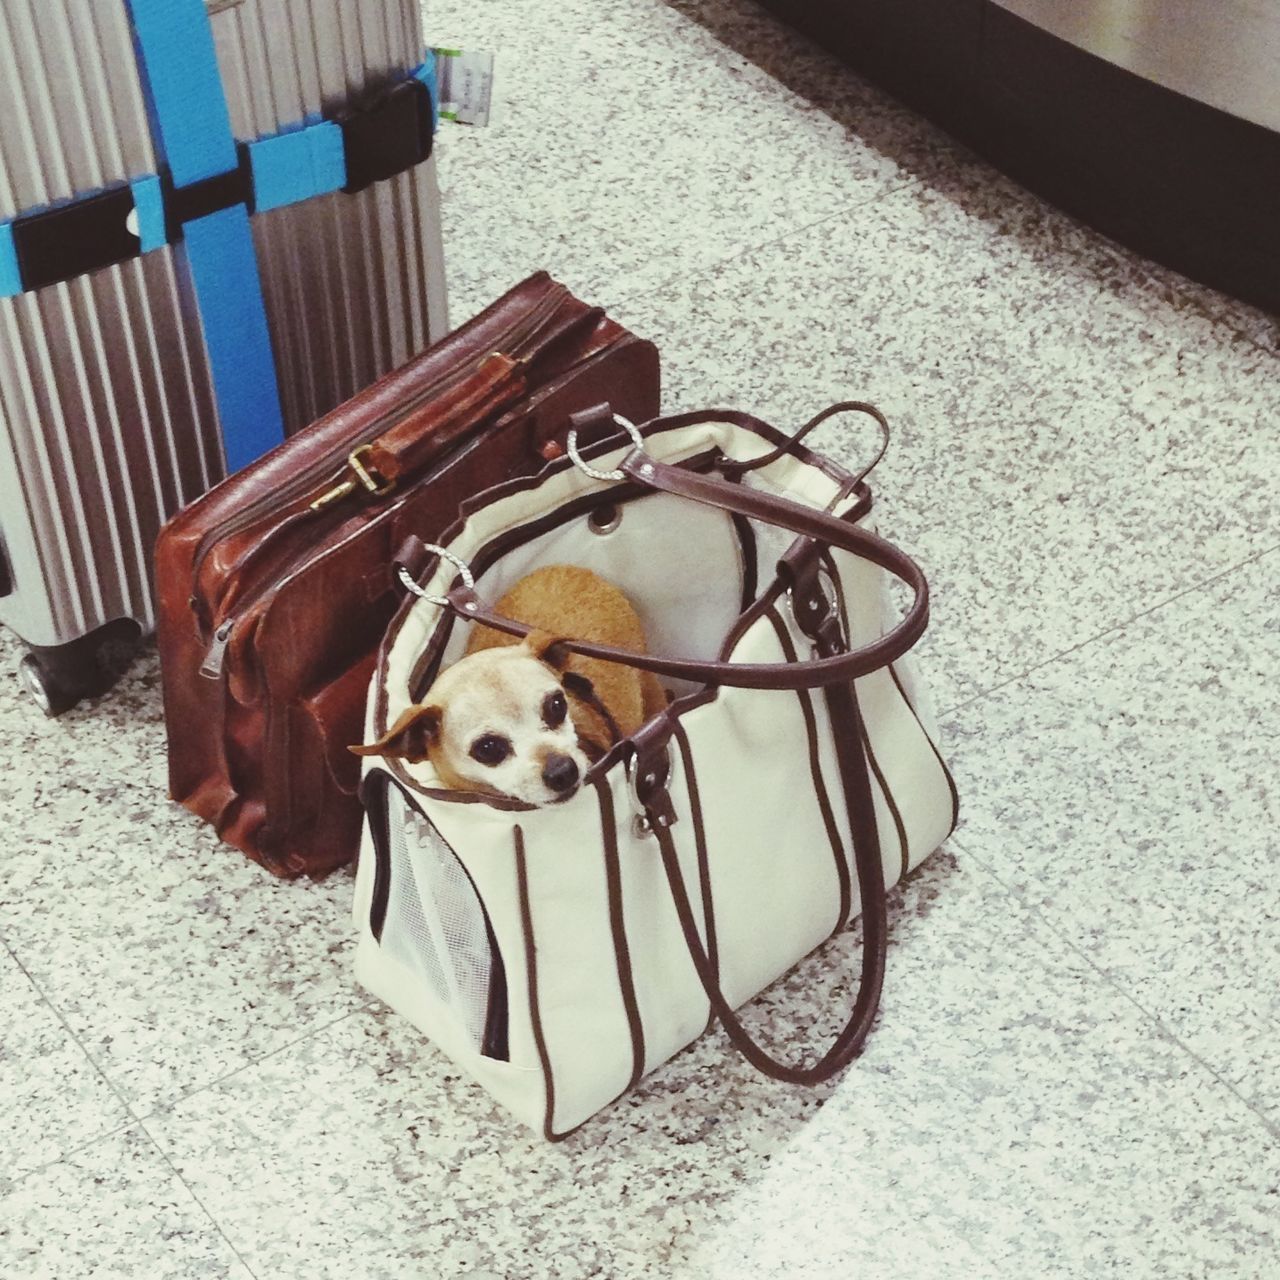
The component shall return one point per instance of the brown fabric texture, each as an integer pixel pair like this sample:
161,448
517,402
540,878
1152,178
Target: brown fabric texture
276,587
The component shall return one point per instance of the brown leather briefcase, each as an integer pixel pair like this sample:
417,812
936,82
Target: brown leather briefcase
276,587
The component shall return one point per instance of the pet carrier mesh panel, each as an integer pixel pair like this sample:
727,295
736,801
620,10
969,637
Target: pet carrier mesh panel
437,925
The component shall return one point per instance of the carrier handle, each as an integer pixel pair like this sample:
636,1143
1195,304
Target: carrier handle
736,469
807,522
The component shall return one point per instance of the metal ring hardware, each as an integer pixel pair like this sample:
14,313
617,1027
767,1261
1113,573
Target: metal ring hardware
641,825
412,586
586,468
604,520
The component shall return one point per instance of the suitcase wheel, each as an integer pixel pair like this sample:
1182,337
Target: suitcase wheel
42,682
60,676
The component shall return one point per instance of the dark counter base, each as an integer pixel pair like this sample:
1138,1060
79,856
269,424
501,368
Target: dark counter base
1183,183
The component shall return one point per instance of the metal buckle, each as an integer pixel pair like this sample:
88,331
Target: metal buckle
826,634
815,614
641,821
364,477
368,477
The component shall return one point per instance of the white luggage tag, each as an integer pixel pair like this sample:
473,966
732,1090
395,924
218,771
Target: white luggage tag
466,85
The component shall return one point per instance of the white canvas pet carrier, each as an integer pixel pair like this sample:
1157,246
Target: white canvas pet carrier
559,953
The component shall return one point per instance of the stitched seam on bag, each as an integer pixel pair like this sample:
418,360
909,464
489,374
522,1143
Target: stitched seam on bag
890,803
531,971
618,928
933,746
704,865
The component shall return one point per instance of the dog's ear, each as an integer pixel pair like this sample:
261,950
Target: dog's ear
578,685
410,738
548,648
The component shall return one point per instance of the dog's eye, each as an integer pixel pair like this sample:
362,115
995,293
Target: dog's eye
554,709
491,749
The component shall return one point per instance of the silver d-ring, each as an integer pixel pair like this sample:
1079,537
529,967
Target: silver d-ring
461,565
572,446
641,826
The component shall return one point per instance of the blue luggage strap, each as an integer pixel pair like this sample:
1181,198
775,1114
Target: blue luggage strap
203,196
206,197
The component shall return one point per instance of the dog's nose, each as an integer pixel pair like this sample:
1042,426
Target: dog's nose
560,772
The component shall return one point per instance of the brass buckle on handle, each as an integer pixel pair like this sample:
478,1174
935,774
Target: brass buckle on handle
365,477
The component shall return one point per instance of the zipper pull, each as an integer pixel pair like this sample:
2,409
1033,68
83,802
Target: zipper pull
336,494
211,667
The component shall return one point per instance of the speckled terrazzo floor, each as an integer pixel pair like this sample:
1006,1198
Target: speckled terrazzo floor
1076,1070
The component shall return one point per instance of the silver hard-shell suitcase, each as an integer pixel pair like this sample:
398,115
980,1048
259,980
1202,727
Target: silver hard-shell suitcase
109,416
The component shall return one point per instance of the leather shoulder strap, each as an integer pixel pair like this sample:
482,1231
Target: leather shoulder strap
808,522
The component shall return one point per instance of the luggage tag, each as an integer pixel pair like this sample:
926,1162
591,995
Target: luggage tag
466,85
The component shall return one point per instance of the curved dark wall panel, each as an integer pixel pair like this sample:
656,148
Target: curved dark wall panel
1183,182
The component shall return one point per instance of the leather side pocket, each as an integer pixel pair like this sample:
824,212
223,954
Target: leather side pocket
331,720
315,822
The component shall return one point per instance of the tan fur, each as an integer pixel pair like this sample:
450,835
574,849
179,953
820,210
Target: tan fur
566,601
501,686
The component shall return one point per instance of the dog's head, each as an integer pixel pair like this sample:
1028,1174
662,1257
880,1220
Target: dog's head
498,722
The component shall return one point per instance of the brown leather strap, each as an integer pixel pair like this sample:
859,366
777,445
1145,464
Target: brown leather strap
847,725
420,436
416,439
737,469
785,514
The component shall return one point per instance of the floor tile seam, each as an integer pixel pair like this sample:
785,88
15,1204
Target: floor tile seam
743,251
176,1100
71,1152
135,1115
191,1191
134,1118
1112,981
945,713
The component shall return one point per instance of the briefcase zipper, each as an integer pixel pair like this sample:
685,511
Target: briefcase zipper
214,660
315,473
220,637
215,657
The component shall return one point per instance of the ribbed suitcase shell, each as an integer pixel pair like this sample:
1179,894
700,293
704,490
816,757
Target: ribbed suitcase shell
107,417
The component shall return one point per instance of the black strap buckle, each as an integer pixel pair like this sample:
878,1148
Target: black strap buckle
71,239
392,134
387,137
92,232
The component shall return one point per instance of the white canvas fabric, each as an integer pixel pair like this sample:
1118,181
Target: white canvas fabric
589,981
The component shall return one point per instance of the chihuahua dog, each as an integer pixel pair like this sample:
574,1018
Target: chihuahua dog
525,719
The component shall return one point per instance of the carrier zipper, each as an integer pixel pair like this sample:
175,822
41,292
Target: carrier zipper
314,474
